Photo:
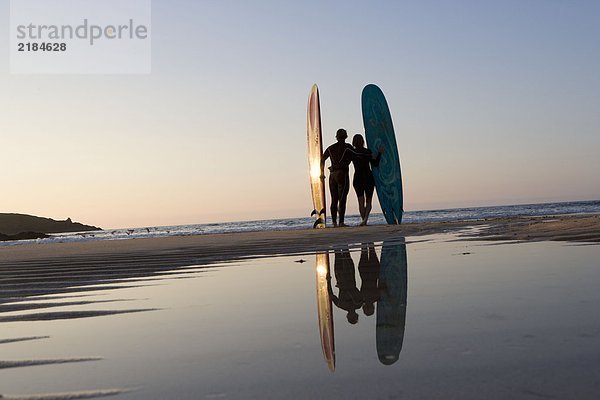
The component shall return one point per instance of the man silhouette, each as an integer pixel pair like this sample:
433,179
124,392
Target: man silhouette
339,179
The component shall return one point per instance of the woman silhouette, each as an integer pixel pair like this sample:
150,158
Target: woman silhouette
363,182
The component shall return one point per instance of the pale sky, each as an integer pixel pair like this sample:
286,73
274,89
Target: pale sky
493,103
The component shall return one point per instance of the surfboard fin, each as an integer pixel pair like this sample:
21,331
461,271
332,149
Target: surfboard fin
322,211
313,212
318,222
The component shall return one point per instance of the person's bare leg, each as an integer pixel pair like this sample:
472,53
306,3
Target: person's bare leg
368,207
334,200
334,214
343,191
361,209
342,211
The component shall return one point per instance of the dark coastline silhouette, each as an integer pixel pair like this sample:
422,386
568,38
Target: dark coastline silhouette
23,226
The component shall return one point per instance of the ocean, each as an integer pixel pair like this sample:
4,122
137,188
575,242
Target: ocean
456,214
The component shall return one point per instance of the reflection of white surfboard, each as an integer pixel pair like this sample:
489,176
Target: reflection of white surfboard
391,307
315,154
325,310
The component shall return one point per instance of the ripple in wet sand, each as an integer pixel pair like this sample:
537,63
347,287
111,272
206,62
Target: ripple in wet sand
50,316
89,394
32,363
22,339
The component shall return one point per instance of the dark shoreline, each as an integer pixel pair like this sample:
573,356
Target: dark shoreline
177,251
22,236
22,226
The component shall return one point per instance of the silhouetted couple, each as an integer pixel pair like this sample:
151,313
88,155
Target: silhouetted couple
341,155
384,285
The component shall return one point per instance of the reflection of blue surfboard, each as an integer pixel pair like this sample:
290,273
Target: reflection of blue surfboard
379,131
391,307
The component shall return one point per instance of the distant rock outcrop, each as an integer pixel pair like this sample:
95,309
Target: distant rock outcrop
22,236
15,224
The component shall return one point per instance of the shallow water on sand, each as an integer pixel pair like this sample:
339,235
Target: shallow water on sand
452,320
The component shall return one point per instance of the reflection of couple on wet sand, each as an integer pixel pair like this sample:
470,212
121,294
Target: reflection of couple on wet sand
341,155
384,283
349,297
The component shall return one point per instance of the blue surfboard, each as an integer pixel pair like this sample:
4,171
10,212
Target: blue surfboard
379,131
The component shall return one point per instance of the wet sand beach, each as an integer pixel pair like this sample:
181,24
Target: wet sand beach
199,249
442,314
